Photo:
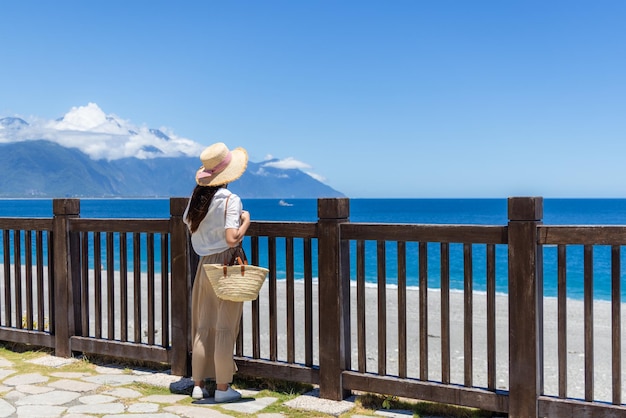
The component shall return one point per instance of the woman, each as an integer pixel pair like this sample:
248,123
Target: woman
217,223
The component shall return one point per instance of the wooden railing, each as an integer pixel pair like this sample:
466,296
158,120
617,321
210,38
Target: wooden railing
591,238
420,379
121,287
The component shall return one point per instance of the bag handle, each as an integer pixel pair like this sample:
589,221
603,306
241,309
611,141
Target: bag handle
238,257
243,270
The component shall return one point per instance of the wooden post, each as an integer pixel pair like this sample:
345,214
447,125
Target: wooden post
64,265
334,297
180,288
525,306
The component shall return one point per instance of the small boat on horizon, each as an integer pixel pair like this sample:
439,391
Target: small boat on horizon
281,202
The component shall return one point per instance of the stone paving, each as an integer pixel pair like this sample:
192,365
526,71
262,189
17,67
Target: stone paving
110,391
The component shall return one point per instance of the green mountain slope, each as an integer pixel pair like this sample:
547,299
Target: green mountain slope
40,168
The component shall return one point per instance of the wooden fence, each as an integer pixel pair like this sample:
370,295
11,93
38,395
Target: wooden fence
121,287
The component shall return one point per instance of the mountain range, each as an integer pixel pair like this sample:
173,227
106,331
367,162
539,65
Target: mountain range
43,168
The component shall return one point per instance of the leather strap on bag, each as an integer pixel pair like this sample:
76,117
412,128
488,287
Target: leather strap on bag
243,270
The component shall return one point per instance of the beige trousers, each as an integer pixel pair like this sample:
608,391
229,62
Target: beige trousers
214,328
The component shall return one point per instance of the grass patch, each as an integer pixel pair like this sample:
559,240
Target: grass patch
420,408
148,390
272,385
21,356
12,350
102,360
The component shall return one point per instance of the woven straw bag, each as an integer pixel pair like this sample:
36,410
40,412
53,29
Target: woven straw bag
236,280
239,283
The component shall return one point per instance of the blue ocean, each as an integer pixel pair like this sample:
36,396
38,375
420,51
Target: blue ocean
428,211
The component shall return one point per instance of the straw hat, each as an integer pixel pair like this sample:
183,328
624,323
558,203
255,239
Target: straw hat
221,166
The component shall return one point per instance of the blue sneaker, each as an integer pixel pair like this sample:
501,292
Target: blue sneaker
228,395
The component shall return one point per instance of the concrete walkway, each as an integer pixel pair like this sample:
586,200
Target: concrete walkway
113,391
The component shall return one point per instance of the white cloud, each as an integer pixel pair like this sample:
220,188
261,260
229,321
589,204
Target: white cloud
103,136
316,176
292,163
88,118
288,163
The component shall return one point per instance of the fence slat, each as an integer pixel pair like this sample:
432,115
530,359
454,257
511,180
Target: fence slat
588,308
41,315
28,261
616,324
51,283
291,355
150,292
123,286
17,275
97,272
165,292
491,317
381,261
402,359
360,306
423,309
308,303
468,308
8,290
84,299
137,285
273,295
256,313
562,318
110,287
445,312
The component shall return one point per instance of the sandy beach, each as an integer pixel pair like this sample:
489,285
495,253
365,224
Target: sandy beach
575,338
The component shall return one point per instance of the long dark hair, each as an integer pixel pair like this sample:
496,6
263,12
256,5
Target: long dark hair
199,204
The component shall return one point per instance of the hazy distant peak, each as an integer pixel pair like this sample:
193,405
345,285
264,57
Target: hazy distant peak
151,149
111,119
13,123
159,134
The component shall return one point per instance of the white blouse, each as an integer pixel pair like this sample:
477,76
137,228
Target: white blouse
210,237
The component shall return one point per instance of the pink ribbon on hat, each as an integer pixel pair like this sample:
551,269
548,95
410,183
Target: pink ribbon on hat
208,172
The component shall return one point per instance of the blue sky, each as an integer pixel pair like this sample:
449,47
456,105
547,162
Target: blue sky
381,98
